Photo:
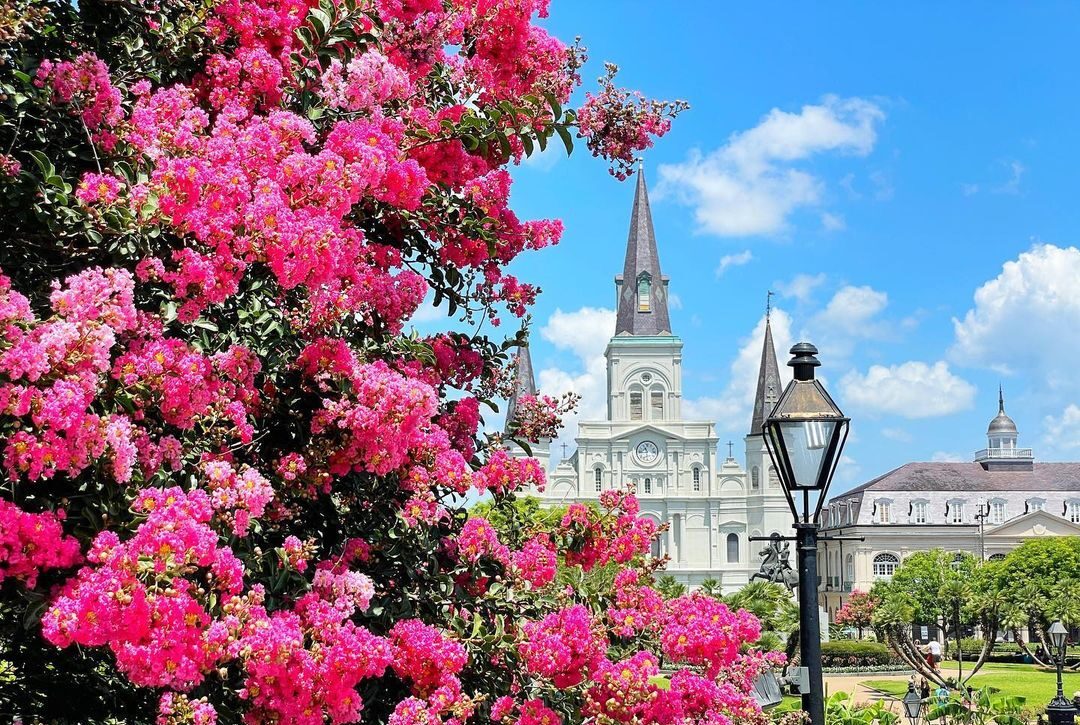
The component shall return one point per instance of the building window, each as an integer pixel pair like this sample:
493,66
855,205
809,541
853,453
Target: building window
648,485
956,512
997,512
656,405
635,406
997,557
849,571
598,479
755,476
884,512
1074,511
697,479
733,548
918,512
643,285
1036,504
773,479
885,565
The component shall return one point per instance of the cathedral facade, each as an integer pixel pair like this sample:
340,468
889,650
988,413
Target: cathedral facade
710,503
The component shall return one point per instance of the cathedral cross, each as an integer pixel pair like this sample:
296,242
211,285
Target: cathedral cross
729,445
564,451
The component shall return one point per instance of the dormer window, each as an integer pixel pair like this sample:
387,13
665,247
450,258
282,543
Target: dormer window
644,285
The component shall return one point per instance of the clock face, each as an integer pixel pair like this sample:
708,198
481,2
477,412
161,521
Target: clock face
647,452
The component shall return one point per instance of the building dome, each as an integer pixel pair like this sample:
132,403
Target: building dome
1001,424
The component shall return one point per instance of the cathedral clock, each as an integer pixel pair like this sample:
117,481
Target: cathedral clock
647,452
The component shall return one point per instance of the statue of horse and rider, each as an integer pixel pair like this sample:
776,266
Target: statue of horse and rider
775,566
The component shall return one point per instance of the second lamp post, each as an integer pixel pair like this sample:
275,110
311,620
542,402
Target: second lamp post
804,435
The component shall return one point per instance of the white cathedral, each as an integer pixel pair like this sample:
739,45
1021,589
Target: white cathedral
711,505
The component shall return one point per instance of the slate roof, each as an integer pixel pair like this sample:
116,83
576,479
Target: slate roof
960,477
524,384
642,258
768,383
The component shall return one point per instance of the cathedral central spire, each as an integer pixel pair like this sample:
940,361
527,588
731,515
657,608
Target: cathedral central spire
642,288
768,384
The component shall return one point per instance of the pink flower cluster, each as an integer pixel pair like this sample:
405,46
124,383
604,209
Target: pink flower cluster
504,473
368,82
617,534
33,543
141,599
617,124
637,608
237,497
701,630
177,709
84,84
479,540
539,417
537,561
531,712
565,647
425,657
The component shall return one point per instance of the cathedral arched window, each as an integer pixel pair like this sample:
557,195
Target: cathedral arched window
644,285
733,548
648,485
635,405
755,478
697,478
598,479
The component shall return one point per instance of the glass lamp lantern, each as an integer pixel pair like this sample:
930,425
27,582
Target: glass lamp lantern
805,434
913,704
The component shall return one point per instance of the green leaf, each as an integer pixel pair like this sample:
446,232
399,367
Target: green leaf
564,134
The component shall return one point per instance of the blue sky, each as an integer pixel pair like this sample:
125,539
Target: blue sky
905,177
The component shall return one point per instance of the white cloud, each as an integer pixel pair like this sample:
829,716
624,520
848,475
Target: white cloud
585,333
848,471
897,434
674,301
733,260
852,314
731,409
833,222
1026,319
802,286
1011,185
749,185
911,390
1061,434
949,457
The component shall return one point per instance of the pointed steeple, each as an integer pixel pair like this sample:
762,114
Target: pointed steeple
642,288
524,383
768,384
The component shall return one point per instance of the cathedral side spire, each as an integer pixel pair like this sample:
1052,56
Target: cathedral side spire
768,385
642,288
524,383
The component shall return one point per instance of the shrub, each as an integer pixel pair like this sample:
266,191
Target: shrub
848,653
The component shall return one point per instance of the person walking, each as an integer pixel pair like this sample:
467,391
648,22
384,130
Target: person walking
935,653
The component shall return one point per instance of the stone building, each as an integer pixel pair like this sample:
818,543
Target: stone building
987,507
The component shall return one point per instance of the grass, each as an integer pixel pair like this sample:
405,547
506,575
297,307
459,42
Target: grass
1036,686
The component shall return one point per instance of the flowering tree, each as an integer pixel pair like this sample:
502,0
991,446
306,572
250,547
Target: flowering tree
857,611
233,477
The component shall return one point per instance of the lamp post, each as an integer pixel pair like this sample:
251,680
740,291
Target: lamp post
1060,711
804,435
913,704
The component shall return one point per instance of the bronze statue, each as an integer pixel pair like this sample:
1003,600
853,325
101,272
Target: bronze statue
775,566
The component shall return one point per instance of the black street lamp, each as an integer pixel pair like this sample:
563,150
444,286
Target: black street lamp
804,435
1060,711
913,704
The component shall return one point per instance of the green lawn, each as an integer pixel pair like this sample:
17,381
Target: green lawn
1036,686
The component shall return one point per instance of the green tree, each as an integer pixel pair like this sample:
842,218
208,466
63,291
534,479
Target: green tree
1040,582
773,605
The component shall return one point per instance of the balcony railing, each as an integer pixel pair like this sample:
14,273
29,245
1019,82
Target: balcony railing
999,453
